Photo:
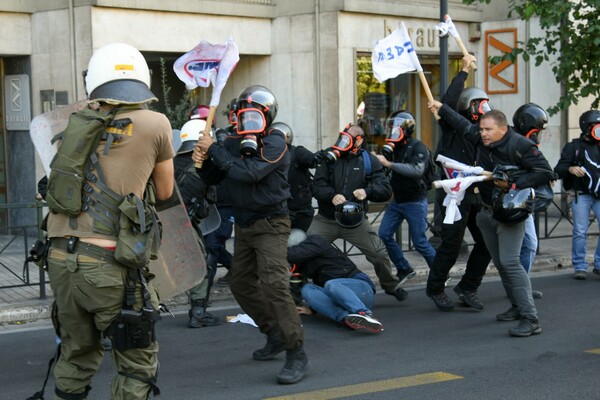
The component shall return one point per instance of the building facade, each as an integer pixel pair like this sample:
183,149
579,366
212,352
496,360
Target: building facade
314,55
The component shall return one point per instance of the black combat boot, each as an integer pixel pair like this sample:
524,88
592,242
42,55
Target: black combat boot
295,366
273,347
199,317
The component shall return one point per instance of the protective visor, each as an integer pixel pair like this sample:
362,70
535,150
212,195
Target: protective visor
595,132
481,108
344,142
395,135
250,120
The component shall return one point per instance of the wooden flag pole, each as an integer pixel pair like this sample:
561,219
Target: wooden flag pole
209,120
427,91
461,45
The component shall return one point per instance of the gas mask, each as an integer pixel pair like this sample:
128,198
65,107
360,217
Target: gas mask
394,137
400,125
595,132
343,145
478,108
250,124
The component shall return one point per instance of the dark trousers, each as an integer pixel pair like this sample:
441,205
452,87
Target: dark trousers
260,278
216,241
447,253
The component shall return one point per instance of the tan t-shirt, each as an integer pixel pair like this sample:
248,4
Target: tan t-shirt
126,168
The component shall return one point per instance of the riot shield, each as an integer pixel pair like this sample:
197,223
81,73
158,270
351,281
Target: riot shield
180,264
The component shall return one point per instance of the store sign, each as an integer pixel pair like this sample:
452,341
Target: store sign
501,78
17,102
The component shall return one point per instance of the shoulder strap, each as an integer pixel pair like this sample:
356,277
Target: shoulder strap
409,150
367,163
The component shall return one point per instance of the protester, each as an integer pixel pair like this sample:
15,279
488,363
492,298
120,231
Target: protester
503,150
257,184
579,169
530,120
339,290
300,180
407,159
471,103
351,174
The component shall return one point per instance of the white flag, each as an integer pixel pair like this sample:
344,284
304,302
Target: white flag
208,64
447,27
394,55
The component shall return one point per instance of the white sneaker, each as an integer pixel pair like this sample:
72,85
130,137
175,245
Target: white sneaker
363,321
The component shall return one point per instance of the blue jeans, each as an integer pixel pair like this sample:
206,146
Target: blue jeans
339,297
581,207
415,214
530,243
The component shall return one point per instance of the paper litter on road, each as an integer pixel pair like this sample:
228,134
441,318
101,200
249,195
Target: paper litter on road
243,318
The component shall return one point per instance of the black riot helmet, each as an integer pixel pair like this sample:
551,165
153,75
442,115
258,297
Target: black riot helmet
285,129
529,119
472,103
349,214
256,110
589,122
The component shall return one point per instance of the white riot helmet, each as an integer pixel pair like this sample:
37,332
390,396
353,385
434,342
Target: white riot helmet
118,74
190,133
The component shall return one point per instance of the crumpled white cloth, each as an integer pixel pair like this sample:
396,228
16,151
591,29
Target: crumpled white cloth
244,319
455,193
456,169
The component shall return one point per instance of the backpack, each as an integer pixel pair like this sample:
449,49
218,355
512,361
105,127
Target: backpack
72,162
76,184
431,173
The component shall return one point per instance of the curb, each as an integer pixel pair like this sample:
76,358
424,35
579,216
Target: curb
19,314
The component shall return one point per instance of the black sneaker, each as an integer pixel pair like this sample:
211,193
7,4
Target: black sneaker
509,315
363,321
537,294
406,274
400,294
526,327
442,301
469,298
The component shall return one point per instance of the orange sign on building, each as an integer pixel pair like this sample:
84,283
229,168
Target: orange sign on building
501,78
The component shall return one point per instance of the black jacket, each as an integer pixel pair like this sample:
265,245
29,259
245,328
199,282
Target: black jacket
319,260
407,174
344,177
300,178
512,149
257,186
453,143
577,153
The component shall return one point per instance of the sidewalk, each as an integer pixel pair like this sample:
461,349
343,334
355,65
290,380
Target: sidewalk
23,304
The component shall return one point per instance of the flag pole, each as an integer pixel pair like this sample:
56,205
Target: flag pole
209,120
427,91
460,43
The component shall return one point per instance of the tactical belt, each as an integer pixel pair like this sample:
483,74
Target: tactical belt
74,245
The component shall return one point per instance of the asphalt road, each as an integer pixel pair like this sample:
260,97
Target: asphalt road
422,354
